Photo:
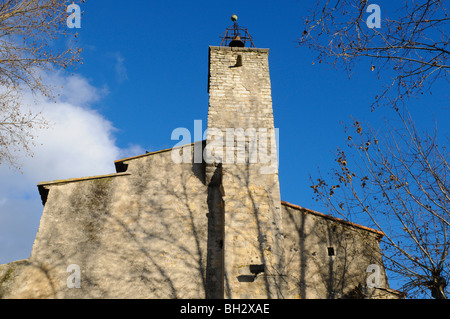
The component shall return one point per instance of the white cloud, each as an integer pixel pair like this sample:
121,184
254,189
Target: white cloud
79,142
74,89
118,61
121,70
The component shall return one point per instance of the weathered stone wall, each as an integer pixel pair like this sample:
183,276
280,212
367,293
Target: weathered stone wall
156,231
326,258
240,101
216,229
141,235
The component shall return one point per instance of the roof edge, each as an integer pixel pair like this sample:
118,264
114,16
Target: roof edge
401,294
71,180
379,233
155,152
44,190
240,49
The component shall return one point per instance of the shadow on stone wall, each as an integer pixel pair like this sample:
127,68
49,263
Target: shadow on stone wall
159,233
326,259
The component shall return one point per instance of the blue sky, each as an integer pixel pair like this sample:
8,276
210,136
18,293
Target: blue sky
145,74
154,63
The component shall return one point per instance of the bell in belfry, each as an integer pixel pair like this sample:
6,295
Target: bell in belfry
237,42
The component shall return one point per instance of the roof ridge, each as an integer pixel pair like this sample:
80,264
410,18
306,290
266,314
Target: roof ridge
79,179
155,152
340,220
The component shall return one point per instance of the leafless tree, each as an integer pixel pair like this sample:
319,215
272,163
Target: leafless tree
16,127
29,33
410,48
397,180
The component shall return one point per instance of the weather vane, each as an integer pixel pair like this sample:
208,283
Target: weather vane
236,36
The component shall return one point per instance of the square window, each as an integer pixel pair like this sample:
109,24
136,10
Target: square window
330,251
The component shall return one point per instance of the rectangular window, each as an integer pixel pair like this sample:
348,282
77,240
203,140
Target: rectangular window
330,251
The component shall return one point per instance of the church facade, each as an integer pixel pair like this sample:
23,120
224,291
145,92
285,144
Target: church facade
211,225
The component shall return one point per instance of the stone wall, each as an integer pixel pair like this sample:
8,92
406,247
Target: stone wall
213,229
240,115
139,234
156,231
328,258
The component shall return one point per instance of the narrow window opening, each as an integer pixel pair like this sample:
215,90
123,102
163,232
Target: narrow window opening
330,251
239,60
256,269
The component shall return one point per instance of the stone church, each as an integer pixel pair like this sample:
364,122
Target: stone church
209,226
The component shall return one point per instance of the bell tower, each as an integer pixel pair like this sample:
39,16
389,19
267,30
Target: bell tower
242,167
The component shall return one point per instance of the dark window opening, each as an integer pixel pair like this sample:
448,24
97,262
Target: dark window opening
330,251
256,269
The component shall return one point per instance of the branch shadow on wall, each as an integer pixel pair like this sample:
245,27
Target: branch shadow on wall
165,239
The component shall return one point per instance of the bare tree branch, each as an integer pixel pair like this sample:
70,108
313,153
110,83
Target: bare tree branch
399,181
411,42
28,32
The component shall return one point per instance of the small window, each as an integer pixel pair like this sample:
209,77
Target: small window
256,269
330,251
239,60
